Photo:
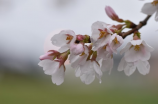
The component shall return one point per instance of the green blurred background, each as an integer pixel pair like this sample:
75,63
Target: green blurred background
24,26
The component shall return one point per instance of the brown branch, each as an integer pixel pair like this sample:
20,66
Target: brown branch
140,25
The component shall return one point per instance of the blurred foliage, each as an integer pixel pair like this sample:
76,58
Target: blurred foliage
26,89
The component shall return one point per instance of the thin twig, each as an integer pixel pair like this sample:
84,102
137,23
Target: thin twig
140,25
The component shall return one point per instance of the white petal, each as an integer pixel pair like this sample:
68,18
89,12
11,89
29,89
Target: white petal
58,76
78,60
49,66
129,69
147,47
64,48
136,42
125,48
122,64
86,67
102,53
107,65
99,77
59,39
148,9
97,68
77,72
88,77
143,67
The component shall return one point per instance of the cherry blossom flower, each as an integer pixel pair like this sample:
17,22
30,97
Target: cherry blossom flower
137,54
151,8
66,40
53,67
101,34
115,42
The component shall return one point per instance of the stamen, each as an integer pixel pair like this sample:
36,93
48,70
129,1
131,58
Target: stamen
69,37
102,34
136,48
116,41
82,54
154,3
104,47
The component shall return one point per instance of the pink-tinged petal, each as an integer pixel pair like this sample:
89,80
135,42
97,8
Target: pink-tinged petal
148,9
47,56
88,77
49,66
156,16
136,42
145,54
58,76
127,47
143,67
147,47
97,68
60,39
107,65
64,48
122,65
76,49
129,69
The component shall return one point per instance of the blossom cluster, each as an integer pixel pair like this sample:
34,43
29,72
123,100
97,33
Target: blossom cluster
90,56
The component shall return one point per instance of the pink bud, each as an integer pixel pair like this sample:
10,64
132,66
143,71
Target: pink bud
136,37
111,13
80,37
49,55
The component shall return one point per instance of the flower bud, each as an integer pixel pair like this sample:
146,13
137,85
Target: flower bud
111,13
136,35
49,55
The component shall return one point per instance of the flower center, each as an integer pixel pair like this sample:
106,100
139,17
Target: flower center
69,37
104,47
137,47
82,54
155,2
116,41
102,34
